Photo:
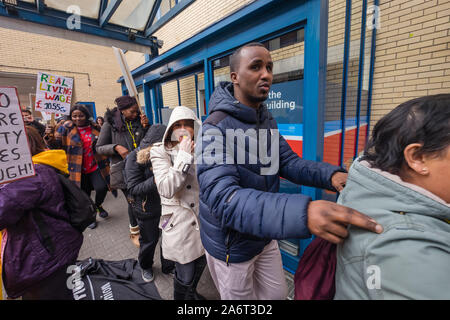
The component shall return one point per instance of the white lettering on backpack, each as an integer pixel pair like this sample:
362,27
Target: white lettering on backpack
107,291
74,282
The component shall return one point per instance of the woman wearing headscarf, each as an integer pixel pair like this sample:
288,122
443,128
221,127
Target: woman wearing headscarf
121,133
176,180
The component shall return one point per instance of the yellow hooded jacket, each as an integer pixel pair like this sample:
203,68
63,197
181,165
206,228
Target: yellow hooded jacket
55,158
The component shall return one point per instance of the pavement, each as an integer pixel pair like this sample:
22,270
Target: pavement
111,241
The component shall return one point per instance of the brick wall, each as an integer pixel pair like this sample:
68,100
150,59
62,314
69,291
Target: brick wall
94,68
413,52
134,59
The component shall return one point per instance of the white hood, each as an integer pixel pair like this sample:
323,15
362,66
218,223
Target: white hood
182,113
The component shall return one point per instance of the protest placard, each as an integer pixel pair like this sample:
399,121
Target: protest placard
53,93
129,82
15,155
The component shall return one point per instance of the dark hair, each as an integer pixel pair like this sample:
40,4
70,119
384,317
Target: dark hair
35,140
424,120
82,108
236,56
125,102
100,118
27,111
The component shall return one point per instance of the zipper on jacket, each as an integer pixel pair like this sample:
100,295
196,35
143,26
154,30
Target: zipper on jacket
227,247
258,115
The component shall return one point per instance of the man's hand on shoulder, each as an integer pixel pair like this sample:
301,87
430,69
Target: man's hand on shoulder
329,220
338,180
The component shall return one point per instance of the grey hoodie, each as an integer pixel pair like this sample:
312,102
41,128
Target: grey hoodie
411,258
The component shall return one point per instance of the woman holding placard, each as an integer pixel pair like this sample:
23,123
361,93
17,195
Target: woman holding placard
88,169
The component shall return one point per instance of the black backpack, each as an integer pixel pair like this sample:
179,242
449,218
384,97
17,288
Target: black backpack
80,207
97,279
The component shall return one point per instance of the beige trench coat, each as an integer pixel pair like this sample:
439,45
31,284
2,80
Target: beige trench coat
179,193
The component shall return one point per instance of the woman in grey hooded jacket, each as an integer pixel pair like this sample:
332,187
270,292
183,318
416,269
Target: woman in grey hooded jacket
403,182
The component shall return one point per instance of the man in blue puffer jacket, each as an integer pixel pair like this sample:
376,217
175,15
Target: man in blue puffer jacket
241,211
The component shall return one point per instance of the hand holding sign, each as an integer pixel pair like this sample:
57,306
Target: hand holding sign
144,120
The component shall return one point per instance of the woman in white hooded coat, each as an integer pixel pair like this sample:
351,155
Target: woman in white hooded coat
176,180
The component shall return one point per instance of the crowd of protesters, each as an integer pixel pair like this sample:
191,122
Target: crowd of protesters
393,211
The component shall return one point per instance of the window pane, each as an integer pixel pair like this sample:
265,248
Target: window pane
133,14
285,100
169,92
201,95
88,8
163,9
187,93
221,70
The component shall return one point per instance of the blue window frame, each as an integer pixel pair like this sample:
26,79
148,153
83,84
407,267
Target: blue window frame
91,106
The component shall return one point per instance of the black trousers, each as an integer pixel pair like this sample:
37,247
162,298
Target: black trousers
94,181
148,239
131,217
190,272
53,287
